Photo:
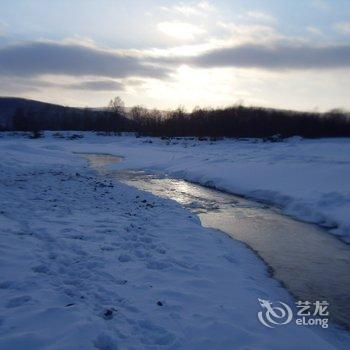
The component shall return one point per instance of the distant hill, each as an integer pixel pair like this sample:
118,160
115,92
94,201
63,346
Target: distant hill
29,115
9,106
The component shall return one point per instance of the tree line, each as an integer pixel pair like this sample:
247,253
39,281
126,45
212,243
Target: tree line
235,121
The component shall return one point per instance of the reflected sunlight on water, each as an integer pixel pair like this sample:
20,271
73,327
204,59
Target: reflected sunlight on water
310,262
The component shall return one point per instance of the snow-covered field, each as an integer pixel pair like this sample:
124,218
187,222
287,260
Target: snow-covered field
90,264
308,179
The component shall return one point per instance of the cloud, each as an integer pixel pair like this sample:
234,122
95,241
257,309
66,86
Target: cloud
206,6
260,16
29,84
2,29
277,57
39,58
16,85
271,57
97,85
321,5
342,27
250,32
315,30
201,8
180,30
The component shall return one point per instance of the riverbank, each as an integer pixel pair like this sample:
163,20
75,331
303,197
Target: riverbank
309,262
89,263
307,179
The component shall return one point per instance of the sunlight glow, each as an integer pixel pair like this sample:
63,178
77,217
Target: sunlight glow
180,30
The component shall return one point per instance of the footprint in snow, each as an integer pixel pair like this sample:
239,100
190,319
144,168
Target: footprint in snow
153,334
124,258
40,269
105,342
157,265
18,301
7,284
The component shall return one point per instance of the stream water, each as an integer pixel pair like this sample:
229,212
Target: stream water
310,262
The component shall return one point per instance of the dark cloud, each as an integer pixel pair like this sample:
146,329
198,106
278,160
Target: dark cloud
26,84
38,58
28,61
15,85
97,85
286,57
276,57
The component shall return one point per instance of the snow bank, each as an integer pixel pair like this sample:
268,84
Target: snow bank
307,179
90,264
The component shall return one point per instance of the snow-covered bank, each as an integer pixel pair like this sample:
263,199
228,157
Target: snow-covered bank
308,179
89,264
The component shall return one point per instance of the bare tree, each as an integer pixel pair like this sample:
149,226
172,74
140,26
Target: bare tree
117,105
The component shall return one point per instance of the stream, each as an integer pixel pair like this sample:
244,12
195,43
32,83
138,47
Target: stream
311,263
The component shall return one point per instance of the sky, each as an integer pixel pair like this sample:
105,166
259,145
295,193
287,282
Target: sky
164,54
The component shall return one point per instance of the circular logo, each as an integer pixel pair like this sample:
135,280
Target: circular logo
273,315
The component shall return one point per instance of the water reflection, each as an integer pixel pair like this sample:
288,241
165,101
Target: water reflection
310,262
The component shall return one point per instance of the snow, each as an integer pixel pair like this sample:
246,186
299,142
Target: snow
307,179
86,263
